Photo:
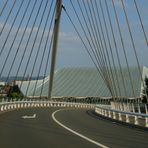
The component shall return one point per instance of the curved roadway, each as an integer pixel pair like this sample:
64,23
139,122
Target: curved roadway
44,132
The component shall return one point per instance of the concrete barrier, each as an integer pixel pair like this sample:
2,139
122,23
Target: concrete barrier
9,106
139,118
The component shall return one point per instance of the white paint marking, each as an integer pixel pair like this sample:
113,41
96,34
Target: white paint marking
29,117
74,132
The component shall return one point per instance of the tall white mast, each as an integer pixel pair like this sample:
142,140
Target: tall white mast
55,44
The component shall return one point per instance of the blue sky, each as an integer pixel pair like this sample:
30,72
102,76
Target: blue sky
71,51
140,44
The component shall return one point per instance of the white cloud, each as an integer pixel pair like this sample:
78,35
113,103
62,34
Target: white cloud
69,37
65,37
118,3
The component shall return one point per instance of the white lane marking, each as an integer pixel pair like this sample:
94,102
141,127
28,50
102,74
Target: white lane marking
74,132
29,117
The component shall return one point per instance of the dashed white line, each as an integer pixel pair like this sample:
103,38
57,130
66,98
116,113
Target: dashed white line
74,132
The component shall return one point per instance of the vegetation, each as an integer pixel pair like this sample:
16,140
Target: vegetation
145,91
14,92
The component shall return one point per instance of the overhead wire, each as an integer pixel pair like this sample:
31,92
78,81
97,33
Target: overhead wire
116,49
96,41
105,69
89,42
14,2
113,67
49,51
22,37
81,39
46,66
110,71
92,46
14,40
34,41
44,49
100,57
11,27
85,35
3,8
133,42
141,22
123,47
92,33
8,35
38,48
99,40
144,32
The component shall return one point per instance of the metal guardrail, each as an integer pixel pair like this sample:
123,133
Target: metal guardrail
139,119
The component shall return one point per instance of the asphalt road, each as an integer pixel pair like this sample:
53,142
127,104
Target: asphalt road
44,132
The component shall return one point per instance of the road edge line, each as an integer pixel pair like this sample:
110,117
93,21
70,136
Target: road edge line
74,132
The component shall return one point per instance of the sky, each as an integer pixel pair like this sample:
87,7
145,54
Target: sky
71,51
134,22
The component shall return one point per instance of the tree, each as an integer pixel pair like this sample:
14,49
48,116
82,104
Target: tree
145,91
15,92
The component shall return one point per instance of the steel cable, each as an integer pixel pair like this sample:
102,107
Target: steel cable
16,34
123,47
4,6
7,17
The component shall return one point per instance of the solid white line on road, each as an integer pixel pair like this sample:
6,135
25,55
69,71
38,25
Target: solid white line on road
74,132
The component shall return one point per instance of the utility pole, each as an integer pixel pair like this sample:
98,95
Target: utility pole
55,45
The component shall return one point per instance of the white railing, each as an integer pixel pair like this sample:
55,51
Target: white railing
13,105
140,119
136,118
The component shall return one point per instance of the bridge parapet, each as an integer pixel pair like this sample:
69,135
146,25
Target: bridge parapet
127,115
121,114
9,106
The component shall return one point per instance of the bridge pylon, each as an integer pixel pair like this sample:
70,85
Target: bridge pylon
55,44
